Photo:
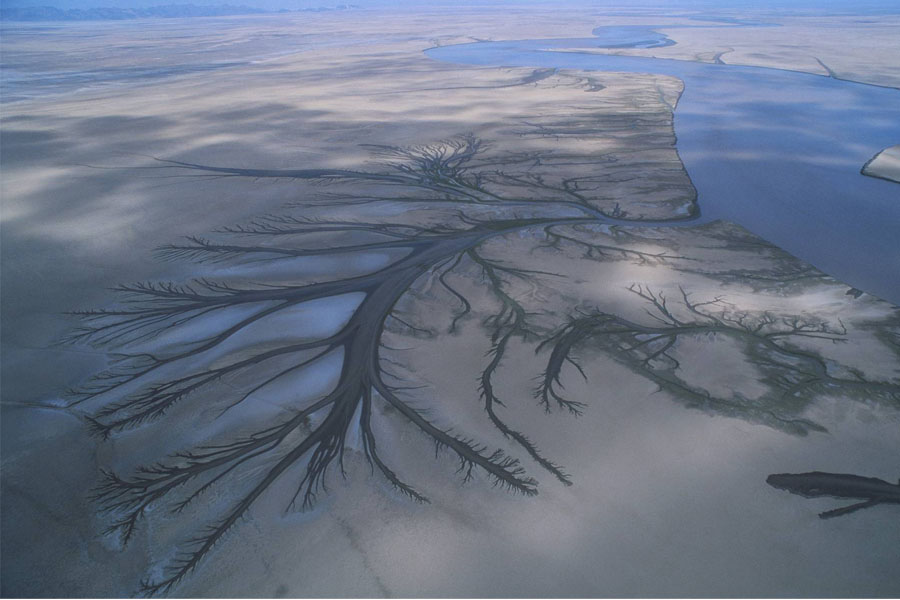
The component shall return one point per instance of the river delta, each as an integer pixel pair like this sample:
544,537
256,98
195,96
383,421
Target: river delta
452,302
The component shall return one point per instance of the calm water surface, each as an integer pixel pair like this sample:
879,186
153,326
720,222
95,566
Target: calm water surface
778,152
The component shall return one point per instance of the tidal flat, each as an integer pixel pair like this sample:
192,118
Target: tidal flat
885,165
335,318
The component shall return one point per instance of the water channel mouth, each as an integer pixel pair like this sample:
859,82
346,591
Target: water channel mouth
778,152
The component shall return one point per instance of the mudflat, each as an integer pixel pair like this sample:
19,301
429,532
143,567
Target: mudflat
348,321
885,165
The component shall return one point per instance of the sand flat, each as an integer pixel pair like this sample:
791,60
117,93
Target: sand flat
885,164
669,458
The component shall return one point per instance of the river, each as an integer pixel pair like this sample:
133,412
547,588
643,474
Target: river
778,152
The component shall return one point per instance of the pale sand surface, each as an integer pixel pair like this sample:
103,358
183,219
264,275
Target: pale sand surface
885,164
669,494
853,48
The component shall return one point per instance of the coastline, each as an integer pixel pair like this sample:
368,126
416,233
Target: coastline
884,165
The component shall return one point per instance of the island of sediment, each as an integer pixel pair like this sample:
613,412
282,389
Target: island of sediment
885,164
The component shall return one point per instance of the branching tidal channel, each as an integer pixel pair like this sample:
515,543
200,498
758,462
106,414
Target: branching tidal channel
206,347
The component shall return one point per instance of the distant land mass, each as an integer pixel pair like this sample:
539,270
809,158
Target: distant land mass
83,10
104,13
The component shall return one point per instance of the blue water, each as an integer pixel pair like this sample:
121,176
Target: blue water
778,152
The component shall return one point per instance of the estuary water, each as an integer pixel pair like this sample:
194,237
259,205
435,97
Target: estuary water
778,152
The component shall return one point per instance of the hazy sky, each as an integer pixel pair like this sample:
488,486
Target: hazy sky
706,5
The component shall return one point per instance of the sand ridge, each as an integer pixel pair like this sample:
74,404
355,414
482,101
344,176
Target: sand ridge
461,229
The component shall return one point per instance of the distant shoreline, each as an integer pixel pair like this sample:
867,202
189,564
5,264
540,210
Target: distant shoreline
884,165
162,11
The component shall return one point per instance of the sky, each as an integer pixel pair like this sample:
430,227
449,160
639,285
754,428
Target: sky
826,5
759,7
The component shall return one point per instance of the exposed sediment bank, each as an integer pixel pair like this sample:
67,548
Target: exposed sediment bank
758,158
884,165
466,241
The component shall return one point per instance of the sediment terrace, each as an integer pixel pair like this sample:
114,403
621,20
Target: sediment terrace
410,254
